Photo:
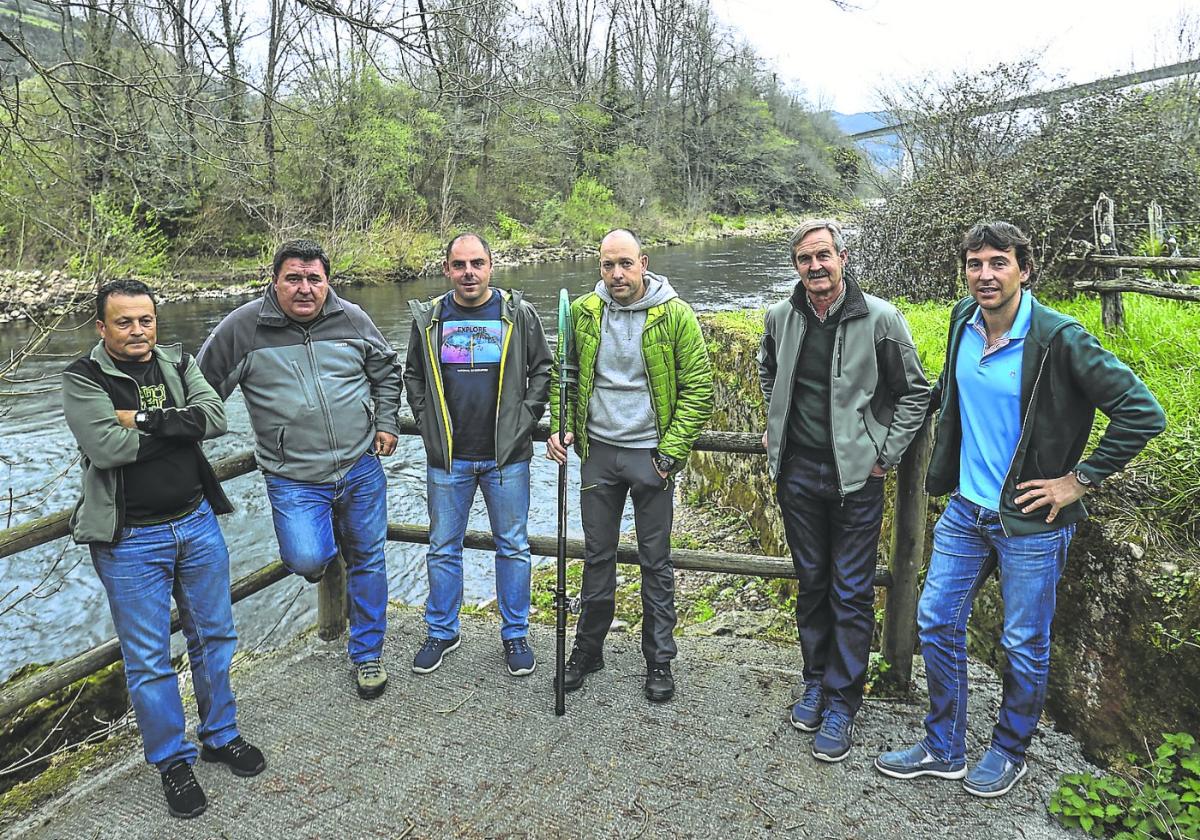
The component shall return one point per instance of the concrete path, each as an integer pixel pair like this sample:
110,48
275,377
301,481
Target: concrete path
469,751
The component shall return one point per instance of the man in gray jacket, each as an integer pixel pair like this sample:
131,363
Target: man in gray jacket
477,374
322,387
845,396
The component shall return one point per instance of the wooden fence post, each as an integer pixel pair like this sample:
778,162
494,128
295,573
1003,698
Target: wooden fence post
908,552
1112,310
331,601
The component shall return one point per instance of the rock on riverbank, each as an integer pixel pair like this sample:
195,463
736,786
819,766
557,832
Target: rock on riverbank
40,296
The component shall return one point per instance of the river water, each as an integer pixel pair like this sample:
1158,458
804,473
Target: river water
51,603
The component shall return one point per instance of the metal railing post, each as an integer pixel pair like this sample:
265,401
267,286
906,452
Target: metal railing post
908,550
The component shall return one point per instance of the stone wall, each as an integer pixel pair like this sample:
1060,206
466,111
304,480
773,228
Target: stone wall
1126,652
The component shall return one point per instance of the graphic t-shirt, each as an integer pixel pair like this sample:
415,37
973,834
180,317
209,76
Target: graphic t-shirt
166,483
469,344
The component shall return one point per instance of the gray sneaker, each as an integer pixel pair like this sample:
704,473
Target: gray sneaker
371,679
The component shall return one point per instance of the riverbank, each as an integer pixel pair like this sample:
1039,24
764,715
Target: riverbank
49,297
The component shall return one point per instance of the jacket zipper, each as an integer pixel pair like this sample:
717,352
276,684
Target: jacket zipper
312,361
500,387
646,370
435,366
841,333
1024,423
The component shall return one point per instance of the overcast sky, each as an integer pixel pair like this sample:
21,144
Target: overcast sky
841,58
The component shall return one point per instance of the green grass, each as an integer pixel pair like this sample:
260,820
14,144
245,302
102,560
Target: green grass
1161,343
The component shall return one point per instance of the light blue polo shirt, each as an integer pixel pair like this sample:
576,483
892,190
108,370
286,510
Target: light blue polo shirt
989,403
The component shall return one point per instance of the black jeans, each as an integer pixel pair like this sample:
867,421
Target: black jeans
834,541
609,474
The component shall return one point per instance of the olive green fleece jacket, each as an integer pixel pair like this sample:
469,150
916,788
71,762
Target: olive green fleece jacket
877,390
676,360
1066,375
106,446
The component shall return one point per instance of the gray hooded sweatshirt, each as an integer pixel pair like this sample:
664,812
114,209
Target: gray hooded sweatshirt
620,412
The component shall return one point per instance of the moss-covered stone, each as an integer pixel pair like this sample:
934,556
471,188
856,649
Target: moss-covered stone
66,717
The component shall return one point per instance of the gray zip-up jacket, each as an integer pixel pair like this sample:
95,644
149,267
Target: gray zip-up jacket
525,363
316,392
878,390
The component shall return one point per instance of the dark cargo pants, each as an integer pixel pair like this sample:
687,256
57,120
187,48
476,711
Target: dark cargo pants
834,542
609,474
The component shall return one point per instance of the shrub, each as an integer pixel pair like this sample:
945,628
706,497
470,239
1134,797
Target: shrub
1154,798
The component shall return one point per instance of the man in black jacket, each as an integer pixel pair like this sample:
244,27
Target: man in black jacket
1018,395
138,412
477,374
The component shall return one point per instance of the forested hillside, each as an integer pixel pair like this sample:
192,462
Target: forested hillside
169,129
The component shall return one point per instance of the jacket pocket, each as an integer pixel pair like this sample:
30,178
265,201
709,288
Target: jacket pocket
302,384
867,430
279,443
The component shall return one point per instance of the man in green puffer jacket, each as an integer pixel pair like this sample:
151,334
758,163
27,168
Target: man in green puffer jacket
644,396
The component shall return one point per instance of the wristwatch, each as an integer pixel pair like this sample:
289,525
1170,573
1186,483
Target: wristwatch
1084,480
663,463
141,419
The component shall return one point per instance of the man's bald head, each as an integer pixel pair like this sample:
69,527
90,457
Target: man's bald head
623,266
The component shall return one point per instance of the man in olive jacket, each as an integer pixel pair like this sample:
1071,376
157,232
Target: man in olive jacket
477,372
148,515
1017,398
644,396
845,396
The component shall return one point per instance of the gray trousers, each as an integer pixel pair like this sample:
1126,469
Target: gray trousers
609,474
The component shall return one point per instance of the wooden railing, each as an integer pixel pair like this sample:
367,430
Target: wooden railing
899,627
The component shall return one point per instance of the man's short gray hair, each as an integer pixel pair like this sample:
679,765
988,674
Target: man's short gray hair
809,225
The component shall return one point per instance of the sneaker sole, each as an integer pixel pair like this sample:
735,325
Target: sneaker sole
992,794
213,759
659,696
523,672
437,664
804,728
370,693
915,774
187,815
830,759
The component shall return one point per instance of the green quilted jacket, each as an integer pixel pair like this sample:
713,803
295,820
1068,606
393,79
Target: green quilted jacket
676,360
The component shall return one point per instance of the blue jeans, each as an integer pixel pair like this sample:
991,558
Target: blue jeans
307,515
968,544
506,494
186,557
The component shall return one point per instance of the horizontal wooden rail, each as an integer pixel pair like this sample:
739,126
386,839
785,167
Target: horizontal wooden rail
1162,289
681,558
44,683
55,525
1133,261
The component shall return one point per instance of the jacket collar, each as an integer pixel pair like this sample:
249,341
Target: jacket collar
169,354
271,314
854,305
1044,322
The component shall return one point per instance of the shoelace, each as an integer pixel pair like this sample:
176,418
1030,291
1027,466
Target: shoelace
812,696
237,747
658,673
370,670
515,646
835,723
181,779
